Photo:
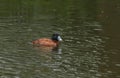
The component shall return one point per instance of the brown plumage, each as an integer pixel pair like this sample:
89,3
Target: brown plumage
45,42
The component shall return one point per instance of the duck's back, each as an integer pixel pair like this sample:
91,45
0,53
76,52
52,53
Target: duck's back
45,42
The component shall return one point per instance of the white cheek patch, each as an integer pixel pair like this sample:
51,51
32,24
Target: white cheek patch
59,38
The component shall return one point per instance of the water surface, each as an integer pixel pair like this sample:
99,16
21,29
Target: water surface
90,30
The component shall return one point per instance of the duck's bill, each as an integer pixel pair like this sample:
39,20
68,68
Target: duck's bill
59,38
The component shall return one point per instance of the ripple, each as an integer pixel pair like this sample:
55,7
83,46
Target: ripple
118,65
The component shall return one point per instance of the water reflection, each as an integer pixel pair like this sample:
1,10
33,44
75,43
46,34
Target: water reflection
109,17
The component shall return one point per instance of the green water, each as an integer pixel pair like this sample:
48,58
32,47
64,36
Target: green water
89,28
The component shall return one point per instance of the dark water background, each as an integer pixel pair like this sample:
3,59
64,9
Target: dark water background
90,29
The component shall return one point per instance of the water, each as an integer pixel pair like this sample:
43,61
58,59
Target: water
90,30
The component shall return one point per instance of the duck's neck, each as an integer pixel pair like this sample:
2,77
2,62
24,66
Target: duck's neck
55,41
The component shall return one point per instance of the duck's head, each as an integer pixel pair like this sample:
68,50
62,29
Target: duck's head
56,37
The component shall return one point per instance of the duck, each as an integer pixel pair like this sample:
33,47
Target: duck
53,42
